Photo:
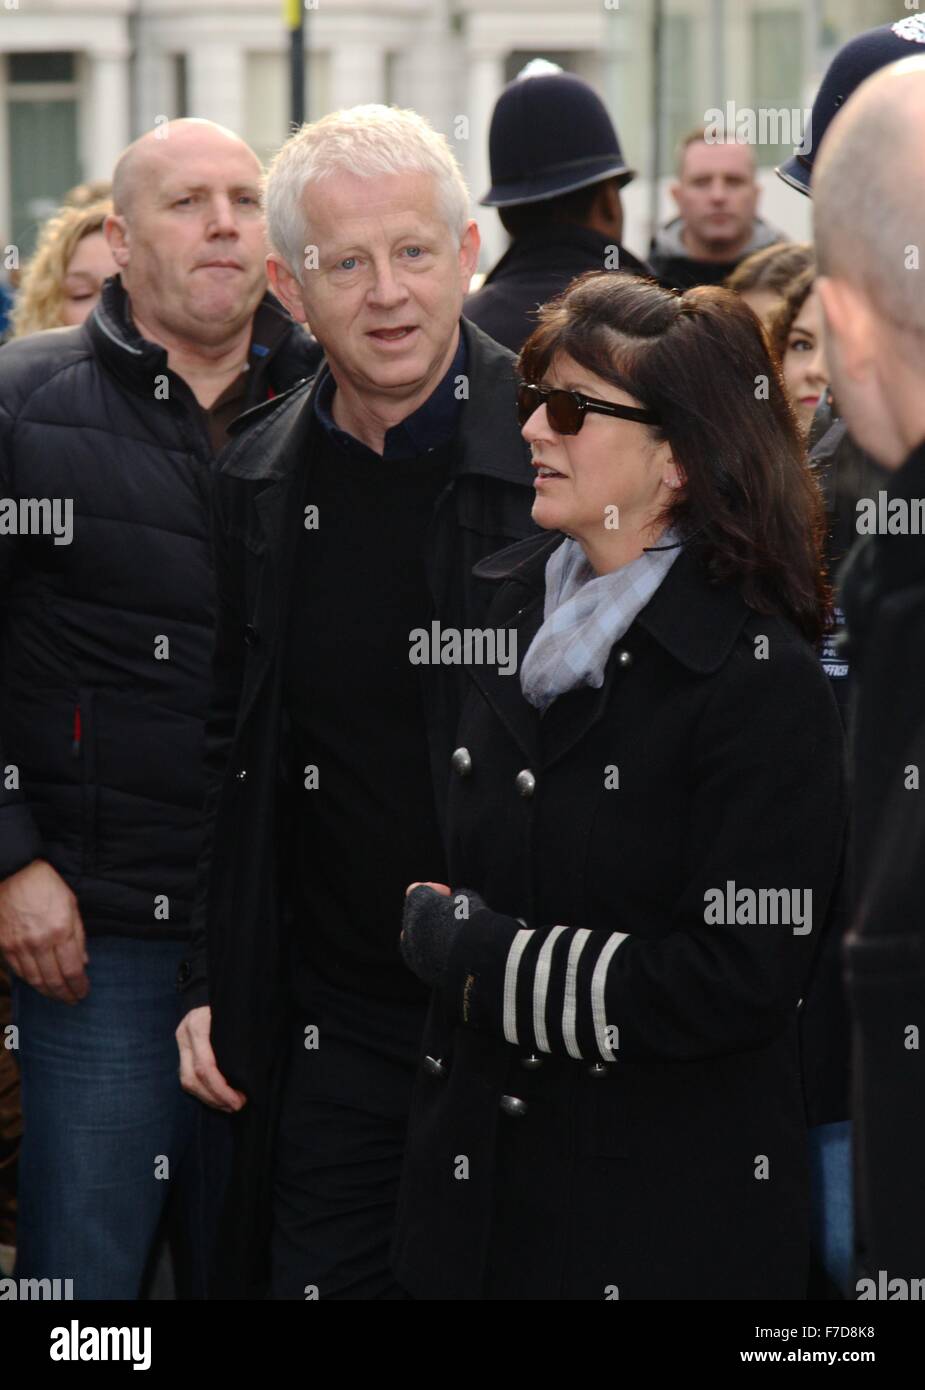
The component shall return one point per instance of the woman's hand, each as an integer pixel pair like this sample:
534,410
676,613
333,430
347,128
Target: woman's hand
432,919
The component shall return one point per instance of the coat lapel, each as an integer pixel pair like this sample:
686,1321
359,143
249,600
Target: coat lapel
277,509
518,605
693,620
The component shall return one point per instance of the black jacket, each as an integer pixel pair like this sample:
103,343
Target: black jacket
677,269
533,270
105,642
629,1159
884,600
243,912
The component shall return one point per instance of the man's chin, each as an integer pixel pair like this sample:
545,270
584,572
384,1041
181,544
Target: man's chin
226,307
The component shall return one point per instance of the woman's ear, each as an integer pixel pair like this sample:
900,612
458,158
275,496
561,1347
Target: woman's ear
672,473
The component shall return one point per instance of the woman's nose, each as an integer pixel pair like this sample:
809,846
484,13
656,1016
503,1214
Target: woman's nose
816,369
537,427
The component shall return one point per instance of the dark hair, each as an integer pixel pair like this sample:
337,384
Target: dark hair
772,268
576,206
749,505
794,297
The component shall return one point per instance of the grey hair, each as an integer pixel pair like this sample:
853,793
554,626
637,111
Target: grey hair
365,140
869,194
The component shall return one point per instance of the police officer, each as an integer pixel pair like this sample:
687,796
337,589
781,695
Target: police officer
557,169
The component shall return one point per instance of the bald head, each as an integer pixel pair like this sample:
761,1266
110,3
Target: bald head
868,192
187,233
169,146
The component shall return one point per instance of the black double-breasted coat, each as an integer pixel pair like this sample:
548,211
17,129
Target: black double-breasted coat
609,1101
242,916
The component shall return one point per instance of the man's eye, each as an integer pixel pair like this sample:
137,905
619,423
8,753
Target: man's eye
348,263
414,252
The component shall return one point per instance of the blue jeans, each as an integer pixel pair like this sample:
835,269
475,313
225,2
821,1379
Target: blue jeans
832,1211
106,1125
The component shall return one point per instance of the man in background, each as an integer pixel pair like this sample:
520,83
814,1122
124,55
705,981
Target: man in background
717,225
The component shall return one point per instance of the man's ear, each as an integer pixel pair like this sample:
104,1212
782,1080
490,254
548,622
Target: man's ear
849,321
286,287
115,231
469,253
675,191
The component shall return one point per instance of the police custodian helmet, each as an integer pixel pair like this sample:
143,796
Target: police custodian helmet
857,60
550,134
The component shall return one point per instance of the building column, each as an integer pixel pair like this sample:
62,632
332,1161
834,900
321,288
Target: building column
357,74
486,81
109,126
216,73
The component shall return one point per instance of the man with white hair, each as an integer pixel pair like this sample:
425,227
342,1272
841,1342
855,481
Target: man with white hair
104,653
869,208
349,516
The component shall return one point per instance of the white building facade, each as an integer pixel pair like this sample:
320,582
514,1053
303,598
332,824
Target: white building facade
80,78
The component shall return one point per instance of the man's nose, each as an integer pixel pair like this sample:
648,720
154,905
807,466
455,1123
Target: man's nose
387,288
222,220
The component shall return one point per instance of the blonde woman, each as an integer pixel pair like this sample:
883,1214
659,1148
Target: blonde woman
62,282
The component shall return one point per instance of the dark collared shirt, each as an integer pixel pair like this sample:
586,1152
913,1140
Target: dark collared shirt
267,330
432,424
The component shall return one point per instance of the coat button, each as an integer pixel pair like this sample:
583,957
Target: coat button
532,1062
461,762
525,782
184,970
513,1105
250,635
241,774
597,1069
434,1067
625,658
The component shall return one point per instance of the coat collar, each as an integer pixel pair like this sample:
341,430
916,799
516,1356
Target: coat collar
568,245
695,622
488,439
135,360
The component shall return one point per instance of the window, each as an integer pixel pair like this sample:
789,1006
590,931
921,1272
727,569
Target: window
42,151
40,67
266,106
777,67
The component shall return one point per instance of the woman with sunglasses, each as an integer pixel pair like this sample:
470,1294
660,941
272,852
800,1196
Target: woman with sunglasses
645,825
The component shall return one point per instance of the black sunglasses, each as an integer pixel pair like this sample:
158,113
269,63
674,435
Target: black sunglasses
566,410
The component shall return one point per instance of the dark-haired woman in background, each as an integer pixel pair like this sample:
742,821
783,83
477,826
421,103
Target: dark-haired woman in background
645,828
763,278
796,336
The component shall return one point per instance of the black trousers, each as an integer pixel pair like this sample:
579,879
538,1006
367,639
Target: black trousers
343,1118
